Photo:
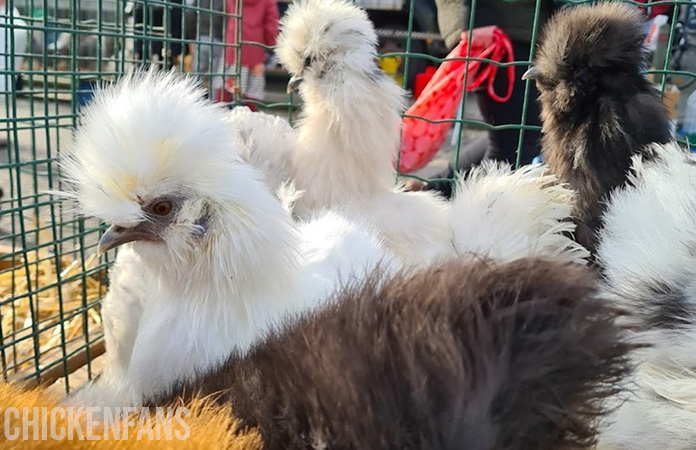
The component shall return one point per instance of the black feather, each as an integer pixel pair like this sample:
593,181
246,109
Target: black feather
598,109
463,355
667,306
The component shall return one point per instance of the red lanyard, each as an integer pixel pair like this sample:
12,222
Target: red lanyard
500,48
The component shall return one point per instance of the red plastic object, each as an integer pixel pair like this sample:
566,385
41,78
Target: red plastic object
422,139
422,80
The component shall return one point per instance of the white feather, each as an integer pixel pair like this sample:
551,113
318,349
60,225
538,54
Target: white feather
504,214
267,143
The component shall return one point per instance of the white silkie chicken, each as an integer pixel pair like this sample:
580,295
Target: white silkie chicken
221,260
349,131
647,251
348,139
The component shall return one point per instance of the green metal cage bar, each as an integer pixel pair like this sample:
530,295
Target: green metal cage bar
51,280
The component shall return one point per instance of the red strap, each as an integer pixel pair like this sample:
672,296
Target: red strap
500,48
504,49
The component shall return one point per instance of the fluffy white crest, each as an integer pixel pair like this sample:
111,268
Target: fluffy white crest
315,34
153,135
145,135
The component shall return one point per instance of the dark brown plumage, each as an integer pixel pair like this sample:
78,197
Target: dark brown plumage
597,107
464,355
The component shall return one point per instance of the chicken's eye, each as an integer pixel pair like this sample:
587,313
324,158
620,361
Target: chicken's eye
307,61
162,208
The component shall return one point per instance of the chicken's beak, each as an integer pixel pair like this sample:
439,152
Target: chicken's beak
531,74
294,83
117,235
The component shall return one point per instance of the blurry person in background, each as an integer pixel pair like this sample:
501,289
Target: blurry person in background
176,32
259,27
12,50
516,19
147,20
150,23
207,27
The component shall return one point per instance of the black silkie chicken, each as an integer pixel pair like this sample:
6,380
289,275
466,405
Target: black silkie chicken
598,109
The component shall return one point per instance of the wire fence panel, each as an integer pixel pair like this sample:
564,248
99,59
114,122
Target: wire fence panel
54,54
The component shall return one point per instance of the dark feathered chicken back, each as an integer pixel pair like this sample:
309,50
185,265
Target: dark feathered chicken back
463,355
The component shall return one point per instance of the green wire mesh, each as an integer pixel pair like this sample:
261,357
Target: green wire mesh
51,280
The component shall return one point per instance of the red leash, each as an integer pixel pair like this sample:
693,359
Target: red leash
421,139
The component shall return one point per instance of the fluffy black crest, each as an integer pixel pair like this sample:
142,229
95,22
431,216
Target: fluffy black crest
464,355
598,109
584,43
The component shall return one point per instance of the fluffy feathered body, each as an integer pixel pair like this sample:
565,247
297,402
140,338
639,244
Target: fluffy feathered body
646,249
503,214
460,355
224,259
349,128
598,109
349,131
